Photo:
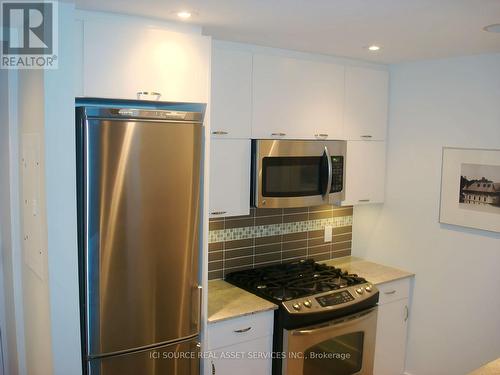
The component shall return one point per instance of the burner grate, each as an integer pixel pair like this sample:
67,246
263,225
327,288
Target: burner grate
292,280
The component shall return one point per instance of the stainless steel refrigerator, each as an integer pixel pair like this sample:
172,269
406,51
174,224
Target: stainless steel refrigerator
138,179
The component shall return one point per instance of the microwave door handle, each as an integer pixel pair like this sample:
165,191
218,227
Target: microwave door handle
326,190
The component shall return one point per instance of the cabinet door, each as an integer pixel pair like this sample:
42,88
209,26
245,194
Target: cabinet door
365,172
122,59
366,101
296,99
247,363
390,347
231,96
229,177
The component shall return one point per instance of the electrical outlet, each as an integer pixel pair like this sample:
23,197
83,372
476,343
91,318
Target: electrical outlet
328,233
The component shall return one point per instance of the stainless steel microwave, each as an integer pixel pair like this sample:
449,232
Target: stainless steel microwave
297,173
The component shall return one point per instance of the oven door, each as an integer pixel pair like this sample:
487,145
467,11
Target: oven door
297,173
343,346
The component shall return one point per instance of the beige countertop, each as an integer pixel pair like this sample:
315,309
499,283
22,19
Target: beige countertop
225,301
492,368
373,272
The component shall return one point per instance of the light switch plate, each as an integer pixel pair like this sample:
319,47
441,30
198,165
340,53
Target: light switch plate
328,233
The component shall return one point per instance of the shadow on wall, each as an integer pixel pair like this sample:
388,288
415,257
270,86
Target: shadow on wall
471,231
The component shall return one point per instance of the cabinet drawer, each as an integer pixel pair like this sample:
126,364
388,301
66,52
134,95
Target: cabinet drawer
245,328
394,290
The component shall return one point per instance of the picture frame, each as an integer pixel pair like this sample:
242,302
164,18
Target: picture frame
470,188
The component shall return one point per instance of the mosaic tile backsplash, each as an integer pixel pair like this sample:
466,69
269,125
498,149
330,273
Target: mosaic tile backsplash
268,236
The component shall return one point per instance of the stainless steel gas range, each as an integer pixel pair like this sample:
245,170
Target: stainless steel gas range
326,321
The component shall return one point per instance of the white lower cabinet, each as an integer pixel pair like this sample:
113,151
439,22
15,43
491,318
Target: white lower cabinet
241,345
392,328
229,177
242,359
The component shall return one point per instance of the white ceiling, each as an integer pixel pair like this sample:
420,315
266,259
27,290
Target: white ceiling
406,29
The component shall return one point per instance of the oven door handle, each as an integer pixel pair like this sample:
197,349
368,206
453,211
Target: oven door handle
335,324
326,189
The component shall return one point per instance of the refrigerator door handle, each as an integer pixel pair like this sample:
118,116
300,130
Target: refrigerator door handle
197,301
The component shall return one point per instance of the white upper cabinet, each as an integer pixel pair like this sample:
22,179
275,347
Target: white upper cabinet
231,96
121,60
366,103
229,177
296,99
365,172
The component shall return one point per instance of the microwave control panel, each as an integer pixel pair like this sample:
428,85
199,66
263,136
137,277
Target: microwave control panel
337,174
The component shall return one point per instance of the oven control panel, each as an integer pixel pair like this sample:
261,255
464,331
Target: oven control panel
330,300
335,298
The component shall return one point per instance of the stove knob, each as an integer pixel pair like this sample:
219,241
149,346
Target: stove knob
307,303
296,306
369,288
359,291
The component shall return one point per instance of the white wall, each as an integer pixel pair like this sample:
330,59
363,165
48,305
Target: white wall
48,318
60,188
35,289
455,319
7,314
10,241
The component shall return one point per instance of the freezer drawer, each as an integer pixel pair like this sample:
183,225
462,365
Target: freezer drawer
177,359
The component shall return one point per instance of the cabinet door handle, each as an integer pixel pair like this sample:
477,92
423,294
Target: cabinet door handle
363,200
153,93
278,134
243,330
366,136
218,213
407,313
390,291
220,132
321,135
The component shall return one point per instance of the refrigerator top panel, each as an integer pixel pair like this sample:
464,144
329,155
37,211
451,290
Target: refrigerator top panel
139,213
142,113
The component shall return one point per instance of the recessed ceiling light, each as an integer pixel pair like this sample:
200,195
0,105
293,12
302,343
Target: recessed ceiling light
373,48
184,14
495,28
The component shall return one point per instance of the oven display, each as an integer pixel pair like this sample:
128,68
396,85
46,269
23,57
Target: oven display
335,298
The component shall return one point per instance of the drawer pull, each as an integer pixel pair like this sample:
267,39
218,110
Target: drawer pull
366,136
218,213
390,291
363,200
153,93
220,132
278,134
321,135
243,330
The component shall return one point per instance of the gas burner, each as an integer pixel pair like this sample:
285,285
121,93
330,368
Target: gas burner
287,281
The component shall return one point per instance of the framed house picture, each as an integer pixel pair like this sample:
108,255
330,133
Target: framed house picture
470,188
